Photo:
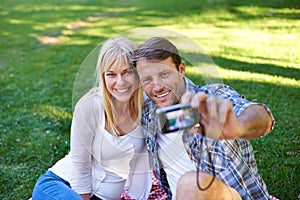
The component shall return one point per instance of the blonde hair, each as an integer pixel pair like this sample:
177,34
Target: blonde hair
115,52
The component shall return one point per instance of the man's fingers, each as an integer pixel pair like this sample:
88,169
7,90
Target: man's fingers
212,107
224,108
198,101
187,97
214,128
215,113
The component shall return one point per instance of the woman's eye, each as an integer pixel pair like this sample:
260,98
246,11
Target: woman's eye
110,74
130,71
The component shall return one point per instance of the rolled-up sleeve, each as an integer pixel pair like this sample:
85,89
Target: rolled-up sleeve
239,102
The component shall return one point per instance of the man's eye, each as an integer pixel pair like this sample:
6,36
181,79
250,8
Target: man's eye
145,80
165,74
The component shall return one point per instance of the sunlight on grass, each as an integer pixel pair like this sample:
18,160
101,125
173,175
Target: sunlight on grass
63,32
48,26
120,10
257,77
251,35
16,21
49,40
248,76
52,112
246,42
51,7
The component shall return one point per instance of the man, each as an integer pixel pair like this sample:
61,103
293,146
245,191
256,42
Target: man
227,119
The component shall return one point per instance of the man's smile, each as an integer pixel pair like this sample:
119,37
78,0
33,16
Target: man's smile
162,95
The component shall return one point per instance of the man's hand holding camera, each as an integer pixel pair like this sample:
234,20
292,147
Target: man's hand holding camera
220,121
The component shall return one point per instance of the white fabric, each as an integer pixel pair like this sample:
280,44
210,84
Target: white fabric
100,163
174,158
62,168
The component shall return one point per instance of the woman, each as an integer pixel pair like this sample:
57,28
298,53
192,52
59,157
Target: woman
107,152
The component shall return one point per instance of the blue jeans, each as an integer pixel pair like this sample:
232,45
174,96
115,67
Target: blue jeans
50,186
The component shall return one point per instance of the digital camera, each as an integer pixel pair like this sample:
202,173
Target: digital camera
177,117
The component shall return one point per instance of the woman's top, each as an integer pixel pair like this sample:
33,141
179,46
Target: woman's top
100,163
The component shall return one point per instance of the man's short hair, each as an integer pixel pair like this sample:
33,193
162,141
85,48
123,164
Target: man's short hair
156,49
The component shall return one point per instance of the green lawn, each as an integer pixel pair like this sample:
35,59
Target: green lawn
255,45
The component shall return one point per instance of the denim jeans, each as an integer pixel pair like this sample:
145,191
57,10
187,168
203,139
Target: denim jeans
50,186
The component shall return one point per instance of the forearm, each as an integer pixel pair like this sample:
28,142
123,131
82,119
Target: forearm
81,147
255,122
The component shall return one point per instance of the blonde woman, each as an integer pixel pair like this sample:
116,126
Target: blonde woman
107,152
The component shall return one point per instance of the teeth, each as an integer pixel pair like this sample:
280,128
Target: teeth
124,90
162,95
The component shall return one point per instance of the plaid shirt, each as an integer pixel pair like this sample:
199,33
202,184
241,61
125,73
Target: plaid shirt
232,160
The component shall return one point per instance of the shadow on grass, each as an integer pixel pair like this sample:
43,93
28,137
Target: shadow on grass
270,4
273,70
270,14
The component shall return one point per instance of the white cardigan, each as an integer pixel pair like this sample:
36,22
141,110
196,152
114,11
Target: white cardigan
100,163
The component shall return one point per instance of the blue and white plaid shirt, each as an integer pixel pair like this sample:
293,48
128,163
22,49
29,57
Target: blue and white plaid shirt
232,160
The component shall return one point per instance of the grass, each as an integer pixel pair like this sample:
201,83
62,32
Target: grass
255,45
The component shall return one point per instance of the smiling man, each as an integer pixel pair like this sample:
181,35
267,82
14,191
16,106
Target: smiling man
223,160
160,81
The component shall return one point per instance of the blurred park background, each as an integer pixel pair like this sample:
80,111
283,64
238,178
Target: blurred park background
254,43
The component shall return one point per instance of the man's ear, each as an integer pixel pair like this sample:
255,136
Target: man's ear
181,68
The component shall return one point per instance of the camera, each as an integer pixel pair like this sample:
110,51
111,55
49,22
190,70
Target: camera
177,117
